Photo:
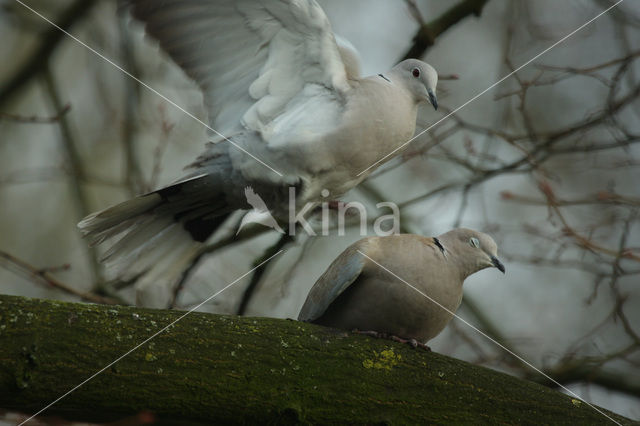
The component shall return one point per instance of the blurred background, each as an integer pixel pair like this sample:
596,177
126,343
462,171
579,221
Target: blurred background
547,162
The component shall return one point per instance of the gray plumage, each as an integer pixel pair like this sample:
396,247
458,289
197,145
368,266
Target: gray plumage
285,90
356,293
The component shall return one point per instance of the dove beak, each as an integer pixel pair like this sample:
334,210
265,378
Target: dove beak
433,99
497,263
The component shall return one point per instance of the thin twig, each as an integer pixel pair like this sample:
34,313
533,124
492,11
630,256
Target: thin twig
37,61
428,32
78,174
43,275
34,119
134,176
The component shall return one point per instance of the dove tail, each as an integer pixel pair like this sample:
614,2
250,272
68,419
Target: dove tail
161,234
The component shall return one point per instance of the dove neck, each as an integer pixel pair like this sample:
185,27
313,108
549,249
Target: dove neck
455,253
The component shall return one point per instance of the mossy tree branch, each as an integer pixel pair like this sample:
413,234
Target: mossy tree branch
229,369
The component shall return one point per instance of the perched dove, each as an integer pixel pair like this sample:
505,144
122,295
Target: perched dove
286,94
357,292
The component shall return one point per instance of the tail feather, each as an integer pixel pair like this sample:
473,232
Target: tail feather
114,220
158,255
160,235
153,254
147,231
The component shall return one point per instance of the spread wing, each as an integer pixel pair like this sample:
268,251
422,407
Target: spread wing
343,272
250,57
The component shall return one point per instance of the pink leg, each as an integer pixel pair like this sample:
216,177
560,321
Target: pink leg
335,204
413,342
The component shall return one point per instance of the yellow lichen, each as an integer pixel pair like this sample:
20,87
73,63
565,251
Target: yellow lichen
385,360
576,402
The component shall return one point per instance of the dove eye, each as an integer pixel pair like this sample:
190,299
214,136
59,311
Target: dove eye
415,72
474,242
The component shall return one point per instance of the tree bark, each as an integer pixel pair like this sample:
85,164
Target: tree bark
213,368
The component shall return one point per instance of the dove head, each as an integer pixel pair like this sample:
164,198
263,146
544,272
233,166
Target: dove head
420,78
475,250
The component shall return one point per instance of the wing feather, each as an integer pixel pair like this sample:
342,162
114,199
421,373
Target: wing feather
251,58
343,272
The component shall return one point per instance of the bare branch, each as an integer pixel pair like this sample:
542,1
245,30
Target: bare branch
43,275
40,57
34,119
428,32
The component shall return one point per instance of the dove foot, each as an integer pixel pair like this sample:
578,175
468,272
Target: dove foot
412,342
